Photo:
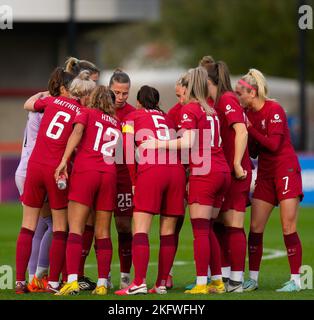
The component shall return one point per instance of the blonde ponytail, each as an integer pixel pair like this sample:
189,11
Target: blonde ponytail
196,83
75,66
71,65
256,79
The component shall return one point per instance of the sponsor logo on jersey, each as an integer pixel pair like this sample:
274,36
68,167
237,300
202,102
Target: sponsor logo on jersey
263,124
277,119
229,109
185,118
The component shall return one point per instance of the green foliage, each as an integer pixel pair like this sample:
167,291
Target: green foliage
244,33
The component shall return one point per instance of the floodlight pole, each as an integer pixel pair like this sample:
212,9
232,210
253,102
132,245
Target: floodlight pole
72,30
302,85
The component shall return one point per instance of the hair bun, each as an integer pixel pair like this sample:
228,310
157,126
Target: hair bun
84,75
117,70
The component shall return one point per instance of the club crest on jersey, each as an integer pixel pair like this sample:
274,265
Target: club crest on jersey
276,119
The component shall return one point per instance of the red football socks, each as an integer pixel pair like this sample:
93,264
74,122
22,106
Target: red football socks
255,245
222,237
88,237
140,249
73,253
57,254
167,253
215,252
237,248
103,248
201,245
23,252
294,252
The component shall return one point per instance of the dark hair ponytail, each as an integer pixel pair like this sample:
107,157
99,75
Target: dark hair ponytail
218,73
59,78
148,97
120,77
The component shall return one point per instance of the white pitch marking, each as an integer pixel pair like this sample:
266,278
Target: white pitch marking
270,254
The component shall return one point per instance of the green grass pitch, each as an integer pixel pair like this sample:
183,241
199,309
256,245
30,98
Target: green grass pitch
274,271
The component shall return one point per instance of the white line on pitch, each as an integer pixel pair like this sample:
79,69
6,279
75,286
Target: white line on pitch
270,254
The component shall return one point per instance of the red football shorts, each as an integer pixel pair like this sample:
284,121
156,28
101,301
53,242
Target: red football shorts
160,190
209,190
39,183
124,200
94,189
277,189
238,195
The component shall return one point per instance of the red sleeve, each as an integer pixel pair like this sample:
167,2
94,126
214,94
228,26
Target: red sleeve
232,110
81,117
188,118
272,142
41,104
172,113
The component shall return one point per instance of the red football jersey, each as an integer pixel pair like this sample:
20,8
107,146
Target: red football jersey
269,121
193,116
175,115
154,123
55,128
122,113
101,136
230,112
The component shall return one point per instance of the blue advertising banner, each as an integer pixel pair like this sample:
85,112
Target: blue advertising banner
307,165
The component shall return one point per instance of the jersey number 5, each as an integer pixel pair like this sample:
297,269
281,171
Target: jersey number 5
160,126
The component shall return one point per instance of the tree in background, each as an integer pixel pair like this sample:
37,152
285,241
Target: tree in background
244,33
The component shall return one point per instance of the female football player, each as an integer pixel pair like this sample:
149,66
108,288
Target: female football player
93,185
75,66
209,175
278,180
234,137
120,85
55,128
39,259
159,185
